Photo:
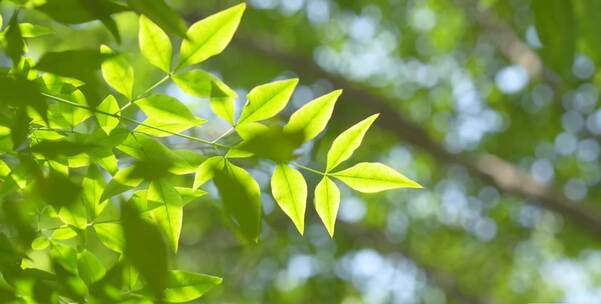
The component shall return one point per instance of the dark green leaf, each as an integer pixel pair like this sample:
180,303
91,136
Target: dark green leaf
241,198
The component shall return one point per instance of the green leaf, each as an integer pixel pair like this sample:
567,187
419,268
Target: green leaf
92,188
556,28
20,92
145,248
160,13
122,181
374,177
187,286
117,72
78,64
111,236
289,189
274,144
241,198
167,113
347,142
89,267
169,215
108,123
327,201
206,170
313,117
29,30
210,36
188,194
202,84
77,11
65,256
155,44
267,100
74,215
588,27
14,41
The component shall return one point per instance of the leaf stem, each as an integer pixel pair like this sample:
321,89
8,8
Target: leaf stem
130,120
154,86
308,169
223,135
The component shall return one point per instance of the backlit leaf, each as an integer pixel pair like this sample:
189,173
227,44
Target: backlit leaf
89,267
327,201
155,44
169,214
187,286
106,122
289,189
347,142
267,100
374,177
313,117
111,236
117,72
206,170
210,36
202,84
167,113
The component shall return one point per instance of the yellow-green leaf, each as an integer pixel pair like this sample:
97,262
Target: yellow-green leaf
117,72
210,36
267,100
202,84
205,171
327,201
89,267
155,45
374,177
186,286
347,142
169,214
289,189
166,113
313,117
111,236
106,122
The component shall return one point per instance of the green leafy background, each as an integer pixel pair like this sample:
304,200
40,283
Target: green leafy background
112,133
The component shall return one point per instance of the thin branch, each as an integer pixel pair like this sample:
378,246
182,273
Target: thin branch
130,120
154,86
308,169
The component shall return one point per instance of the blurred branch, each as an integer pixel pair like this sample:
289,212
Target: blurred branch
376,239
507,41
489,168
